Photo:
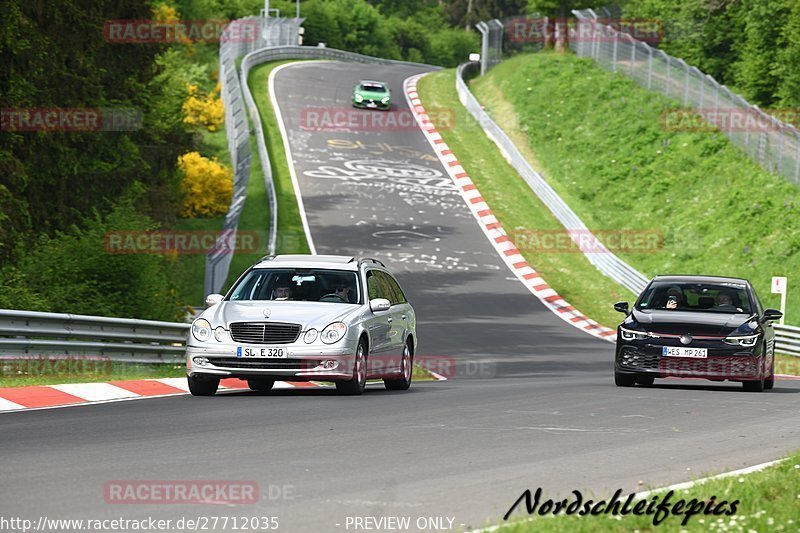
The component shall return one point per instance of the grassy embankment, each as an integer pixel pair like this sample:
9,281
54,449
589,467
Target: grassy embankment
597,139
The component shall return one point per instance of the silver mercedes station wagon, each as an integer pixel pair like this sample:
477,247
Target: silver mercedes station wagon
305,318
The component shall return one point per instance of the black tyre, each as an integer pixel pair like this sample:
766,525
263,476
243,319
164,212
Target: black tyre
624,380
646,380
260,385
753,386
356,385
406,371
202,385
770,381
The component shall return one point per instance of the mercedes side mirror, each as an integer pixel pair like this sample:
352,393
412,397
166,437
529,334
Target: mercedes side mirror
379,304
213,299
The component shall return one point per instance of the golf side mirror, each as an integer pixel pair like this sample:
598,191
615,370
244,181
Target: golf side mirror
622,307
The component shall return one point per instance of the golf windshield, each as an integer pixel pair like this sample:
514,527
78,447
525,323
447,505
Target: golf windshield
307,285
705,297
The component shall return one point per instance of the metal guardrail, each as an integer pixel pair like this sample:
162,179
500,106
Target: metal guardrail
787,340
31,333
603,259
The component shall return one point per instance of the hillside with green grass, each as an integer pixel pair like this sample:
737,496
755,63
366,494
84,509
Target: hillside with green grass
598,139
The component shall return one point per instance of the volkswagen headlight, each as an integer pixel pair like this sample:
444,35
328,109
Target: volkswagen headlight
359,98
748,341
201,329
385,100
631,335
333,332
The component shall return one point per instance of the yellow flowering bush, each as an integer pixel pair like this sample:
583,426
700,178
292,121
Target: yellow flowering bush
207,186
169,16
204,110
165,13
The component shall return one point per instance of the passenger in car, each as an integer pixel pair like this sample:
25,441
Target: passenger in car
674,298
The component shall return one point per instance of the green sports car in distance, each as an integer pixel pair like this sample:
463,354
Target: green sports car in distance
372,95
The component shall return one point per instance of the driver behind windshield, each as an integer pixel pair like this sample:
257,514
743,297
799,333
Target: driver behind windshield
724,302
341,292
282,292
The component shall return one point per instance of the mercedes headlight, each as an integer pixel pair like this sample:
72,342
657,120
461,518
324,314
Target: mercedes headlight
201,329
631,335
385,100
333,332
310,336
359,98
219,334
748,341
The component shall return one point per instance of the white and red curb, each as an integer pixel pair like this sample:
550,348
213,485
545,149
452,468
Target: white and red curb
49,396
493,229
70,394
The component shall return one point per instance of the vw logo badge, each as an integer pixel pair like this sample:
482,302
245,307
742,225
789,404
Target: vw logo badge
686,338
267,312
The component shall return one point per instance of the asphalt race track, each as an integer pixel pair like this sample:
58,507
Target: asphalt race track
530,401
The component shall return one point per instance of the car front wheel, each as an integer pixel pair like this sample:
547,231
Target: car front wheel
260,385
753,386
770,381
624,380
203,386
358,382
406,368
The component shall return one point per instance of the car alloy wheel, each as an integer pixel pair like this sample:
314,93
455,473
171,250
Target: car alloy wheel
406,369
358,383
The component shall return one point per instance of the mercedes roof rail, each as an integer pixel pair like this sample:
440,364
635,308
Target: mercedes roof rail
370,259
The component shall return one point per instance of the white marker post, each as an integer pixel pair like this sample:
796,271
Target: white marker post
779,287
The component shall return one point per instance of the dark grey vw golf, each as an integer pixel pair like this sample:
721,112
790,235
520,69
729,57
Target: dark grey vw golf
696,327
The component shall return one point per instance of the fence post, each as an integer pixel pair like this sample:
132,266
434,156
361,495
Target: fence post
778,124
762,138
497,44
667,80
716,95
614,56
685,83
649,67
484,31
702,90
797,157
594,33
747,135
633,53
579,36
